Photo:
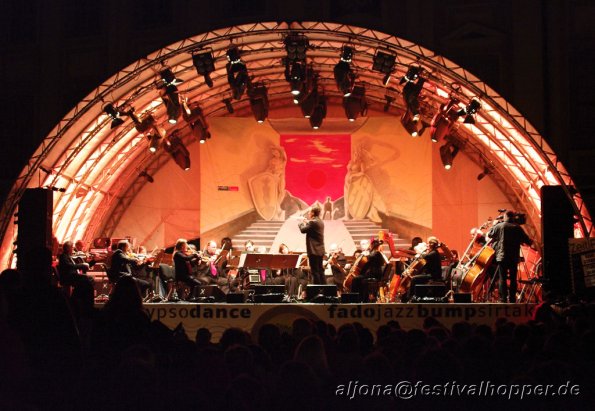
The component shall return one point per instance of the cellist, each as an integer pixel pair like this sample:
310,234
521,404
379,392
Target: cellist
432,269
373,268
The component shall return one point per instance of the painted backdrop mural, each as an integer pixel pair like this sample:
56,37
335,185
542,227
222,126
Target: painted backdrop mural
376,173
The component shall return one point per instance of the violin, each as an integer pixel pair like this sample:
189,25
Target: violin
81,257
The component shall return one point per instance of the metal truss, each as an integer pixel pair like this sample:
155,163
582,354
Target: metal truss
99,167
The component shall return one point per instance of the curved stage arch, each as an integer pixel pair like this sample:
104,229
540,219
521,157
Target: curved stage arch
99,166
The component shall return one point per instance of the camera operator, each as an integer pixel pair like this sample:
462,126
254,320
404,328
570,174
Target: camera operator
507,237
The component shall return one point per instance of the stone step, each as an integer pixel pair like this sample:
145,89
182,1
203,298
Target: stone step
254,231
255,235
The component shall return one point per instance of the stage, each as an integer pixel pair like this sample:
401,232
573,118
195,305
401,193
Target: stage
250,317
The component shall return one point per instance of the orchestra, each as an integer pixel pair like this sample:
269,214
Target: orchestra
397,278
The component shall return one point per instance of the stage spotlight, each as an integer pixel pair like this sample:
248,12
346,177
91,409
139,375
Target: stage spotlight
440,127
295,74
412,75
172,103
169,78
296,46
154,141
486,171
147,176
205,135
176,148
237,73
196,120
384,63
319,113
356,103
205,65
411,92
142,126
259,102
344,76
447,154
114,114
295,62
471,109
413,127
309,103
389,101
228,105
444,119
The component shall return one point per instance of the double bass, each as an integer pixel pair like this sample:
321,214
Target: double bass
473,272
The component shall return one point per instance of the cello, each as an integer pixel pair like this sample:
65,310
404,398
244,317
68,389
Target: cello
399,284
356,269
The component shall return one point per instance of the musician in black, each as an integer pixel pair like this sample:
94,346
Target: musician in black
72,273
314,230
338,265
290,277
507,238
121,265
432,268
182,265
213,270
372,269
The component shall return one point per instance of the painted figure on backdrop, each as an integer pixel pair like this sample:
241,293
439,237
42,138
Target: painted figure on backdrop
268,188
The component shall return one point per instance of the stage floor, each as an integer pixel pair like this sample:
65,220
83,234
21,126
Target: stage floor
250,317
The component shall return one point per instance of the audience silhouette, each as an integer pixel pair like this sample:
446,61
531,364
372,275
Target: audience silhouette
59,353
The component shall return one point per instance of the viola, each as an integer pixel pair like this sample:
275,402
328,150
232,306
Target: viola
332,261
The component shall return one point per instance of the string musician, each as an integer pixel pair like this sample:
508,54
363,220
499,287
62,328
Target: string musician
432,267
71,272
210,268
81,256
337,263
245,273
290,277
142,269
183,258
121,265
369,267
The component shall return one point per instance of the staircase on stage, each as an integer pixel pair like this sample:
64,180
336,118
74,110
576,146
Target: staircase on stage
345,233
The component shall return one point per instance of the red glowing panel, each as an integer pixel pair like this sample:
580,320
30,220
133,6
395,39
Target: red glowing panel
316,165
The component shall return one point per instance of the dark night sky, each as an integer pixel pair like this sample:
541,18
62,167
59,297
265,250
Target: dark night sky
536,54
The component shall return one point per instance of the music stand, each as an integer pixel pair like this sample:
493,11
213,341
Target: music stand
233,259
256,261
281,261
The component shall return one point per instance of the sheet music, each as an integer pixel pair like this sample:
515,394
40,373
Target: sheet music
242,260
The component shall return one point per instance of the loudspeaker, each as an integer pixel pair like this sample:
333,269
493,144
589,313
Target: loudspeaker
350,298
269,298
235,298
315,290
430,290
34,224
464,298
269,289
557,226
211,293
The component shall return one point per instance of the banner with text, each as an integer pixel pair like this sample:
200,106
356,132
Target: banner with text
250,317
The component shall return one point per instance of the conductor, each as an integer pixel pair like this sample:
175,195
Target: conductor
313,227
